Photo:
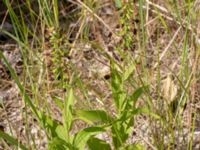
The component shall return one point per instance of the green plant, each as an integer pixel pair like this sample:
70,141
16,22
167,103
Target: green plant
118,3
126,21
12,140
59,52
144,30
120,125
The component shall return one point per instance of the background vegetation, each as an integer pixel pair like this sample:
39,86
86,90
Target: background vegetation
99,74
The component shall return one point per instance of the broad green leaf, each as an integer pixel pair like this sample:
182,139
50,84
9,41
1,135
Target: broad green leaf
61,132
12,140
123,128
130,70
118,3
98,144
83,136
67,112
58,144
117,87
148,112
22,89
94,116
135,147
138,111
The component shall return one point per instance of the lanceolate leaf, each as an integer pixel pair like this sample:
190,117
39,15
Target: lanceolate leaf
137,111
83,136
58,144
67,114
134,97
148,112
98,144
117,87
61,132
94,116
119,134
128,72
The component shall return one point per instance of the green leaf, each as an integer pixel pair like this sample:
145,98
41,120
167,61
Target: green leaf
12,140
135,96
98,144
128,72
117,87
61,133
132,99
135,147
118,3
67,112
119,134
94,116
138,111
58,102
58,144
148,112
49,124
83,136
122,129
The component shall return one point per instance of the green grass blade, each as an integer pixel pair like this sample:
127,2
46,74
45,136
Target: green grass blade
141,13
22,90
56,12
11,140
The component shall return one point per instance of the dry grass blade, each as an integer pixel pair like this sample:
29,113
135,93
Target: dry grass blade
80,3
168,46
